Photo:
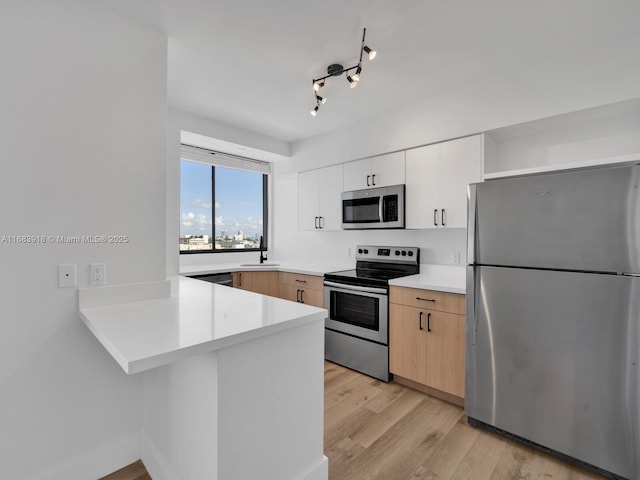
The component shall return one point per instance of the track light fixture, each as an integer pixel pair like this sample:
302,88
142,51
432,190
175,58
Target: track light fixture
336,69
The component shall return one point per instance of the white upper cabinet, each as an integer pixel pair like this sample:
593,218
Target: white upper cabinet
319,205
380,171
436,182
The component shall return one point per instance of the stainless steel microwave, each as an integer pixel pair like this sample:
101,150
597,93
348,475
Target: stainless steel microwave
381,207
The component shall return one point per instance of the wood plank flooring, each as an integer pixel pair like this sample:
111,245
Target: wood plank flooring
385,431
135,471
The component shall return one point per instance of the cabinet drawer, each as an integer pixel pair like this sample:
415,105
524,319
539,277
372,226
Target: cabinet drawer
300,280
431,299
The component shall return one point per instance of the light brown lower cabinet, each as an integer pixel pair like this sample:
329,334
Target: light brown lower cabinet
307,289
426,345
265,283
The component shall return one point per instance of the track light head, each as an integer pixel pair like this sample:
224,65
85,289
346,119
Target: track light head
336,69
356,76
372,53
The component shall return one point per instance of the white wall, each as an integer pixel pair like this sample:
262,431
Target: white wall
590,78
82,132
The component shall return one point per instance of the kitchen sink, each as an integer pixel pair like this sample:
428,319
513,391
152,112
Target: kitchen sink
258,264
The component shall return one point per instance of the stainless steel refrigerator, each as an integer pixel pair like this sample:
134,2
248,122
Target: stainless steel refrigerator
553,313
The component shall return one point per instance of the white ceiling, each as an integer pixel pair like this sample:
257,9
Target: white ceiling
250,63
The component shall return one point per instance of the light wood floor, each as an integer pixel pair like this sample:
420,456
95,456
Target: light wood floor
135,471
376,430
384,431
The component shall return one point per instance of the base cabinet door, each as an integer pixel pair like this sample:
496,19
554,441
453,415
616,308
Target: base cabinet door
265,283
307,289
407,343
444,354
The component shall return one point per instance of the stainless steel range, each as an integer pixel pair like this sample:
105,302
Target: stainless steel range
357,329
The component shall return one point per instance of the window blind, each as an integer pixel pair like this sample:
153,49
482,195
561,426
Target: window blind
220,159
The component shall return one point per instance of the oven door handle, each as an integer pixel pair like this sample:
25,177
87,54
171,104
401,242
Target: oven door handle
355,288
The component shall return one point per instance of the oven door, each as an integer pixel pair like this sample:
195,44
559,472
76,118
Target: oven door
358,311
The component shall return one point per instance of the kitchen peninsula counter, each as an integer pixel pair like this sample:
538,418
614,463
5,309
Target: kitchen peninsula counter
232,381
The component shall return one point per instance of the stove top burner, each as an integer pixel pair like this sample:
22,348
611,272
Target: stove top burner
376,266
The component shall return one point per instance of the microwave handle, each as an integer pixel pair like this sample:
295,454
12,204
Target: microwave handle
381,208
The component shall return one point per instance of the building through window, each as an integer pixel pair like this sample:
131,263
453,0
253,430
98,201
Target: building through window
223,202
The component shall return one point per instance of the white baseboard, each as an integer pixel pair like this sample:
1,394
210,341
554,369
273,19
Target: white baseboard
153,460
319,472
96,463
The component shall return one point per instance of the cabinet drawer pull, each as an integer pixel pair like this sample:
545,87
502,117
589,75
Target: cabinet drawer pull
301,281
435,217
428,322
426,299
420,321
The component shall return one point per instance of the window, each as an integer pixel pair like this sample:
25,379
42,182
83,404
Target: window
222,208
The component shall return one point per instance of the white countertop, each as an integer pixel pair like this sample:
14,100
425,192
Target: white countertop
198,317
306,269
443,278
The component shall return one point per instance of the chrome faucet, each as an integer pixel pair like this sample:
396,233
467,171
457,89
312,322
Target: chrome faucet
262,258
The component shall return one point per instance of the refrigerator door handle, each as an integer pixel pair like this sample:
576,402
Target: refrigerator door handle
471,224
471,305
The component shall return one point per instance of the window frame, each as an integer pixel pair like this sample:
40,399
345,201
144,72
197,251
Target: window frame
265,215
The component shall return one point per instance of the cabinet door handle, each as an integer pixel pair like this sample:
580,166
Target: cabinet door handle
426,299
368,176
444,218
373,179
435,217
301,297
240,279
316,222
429,322
420,321
321,222
298,295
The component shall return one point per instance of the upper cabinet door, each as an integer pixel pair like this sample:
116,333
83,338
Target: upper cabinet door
388,169
308,212
421,194
357,174
460,165
329,203
319,204
437,179
380,171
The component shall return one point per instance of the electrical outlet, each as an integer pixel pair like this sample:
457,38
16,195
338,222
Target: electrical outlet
454,258
67,275
97,274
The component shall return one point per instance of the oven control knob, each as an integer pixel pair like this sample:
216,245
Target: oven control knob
397,252
404,253
366,251
359,250
410,253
